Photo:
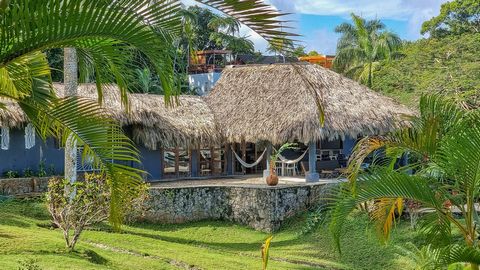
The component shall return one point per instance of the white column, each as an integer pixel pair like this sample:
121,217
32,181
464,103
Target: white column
312,175
70,71
266,172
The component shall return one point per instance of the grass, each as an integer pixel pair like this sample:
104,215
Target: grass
25,234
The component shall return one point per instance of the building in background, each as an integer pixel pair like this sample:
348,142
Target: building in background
205,68
325,61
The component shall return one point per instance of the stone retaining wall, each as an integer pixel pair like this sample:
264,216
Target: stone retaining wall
21,186
262,208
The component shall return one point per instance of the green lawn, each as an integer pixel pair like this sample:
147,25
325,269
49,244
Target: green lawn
25,234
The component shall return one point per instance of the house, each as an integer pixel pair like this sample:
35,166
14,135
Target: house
251,109
325,61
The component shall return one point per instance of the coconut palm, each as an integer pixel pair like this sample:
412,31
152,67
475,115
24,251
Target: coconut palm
443,145
362,46
105,35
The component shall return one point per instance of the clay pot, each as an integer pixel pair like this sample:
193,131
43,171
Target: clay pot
272,180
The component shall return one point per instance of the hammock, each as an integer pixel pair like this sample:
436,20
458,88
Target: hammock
286,161
246,165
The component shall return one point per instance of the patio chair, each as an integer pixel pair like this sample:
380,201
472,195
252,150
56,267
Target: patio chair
291,169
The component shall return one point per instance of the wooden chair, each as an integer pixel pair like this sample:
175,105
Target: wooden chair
304,167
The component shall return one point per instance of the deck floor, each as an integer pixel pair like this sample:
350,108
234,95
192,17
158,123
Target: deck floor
241,181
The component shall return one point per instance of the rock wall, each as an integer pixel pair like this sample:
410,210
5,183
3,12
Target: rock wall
21,186
262,208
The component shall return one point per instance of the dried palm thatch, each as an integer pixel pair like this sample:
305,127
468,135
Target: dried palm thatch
149,120
283,102
11,115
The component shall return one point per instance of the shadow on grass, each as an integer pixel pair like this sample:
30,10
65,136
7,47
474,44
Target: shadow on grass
86,254
94,257
233,246
14,220
29,208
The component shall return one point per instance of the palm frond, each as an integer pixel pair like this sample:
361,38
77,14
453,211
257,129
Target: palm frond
384,214
258,16
101,137
459,153
456,254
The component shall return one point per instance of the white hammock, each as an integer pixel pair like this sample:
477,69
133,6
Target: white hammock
246,165
287,161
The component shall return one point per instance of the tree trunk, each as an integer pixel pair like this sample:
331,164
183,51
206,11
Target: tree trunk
369,75
70,75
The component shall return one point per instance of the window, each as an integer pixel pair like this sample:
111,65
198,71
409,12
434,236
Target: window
5,138
29,136
211,160
176,162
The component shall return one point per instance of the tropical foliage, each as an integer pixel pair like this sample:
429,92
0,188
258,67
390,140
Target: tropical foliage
446,66
105,47
362,46
455,18
443,148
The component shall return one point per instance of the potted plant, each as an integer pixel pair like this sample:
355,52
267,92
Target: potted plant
272,178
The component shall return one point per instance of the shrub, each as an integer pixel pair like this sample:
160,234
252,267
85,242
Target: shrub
75,206
41,169
11,174
27,172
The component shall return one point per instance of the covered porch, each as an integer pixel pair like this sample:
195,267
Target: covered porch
302,103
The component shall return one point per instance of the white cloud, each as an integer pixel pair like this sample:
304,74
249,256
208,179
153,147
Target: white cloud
390,9
413,12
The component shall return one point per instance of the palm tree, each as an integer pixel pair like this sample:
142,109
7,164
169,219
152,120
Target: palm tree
223,24
443,145
70,78
362,46
105,35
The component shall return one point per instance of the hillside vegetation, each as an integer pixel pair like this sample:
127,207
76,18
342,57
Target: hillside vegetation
448,66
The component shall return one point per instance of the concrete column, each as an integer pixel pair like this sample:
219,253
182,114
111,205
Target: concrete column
195,161
266,172
312,175
230,159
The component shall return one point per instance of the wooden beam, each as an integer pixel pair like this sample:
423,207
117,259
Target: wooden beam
177,161
225,159
212,160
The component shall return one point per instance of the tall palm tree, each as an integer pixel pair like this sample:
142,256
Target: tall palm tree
362,46
105,34
70,78
443,145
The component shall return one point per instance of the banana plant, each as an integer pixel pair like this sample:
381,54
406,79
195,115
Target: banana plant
105,34
443,144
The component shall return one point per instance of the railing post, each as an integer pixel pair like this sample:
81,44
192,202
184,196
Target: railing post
312,175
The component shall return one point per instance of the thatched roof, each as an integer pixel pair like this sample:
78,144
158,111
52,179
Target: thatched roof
152,123
11,115
279,103
276,103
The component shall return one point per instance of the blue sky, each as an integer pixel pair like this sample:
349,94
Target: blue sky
315,20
